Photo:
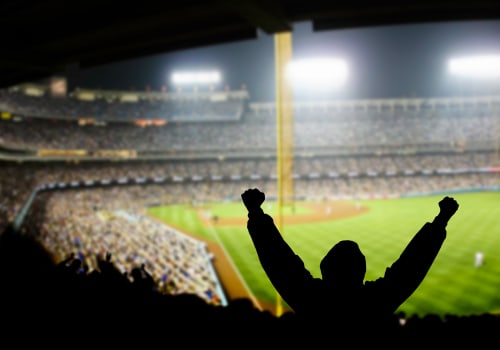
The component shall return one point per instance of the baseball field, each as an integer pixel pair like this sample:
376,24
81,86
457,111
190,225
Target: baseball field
382,228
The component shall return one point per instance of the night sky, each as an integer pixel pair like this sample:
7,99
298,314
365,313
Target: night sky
385,61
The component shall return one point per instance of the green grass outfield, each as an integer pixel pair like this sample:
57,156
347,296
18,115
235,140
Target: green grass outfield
452,286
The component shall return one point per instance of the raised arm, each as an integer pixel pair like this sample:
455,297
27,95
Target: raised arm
409,270
283,267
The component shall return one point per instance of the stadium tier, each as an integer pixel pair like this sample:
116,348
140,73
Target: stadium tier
106,159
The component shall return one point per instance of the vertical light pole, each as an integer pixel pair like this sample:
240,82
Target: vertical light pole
284,132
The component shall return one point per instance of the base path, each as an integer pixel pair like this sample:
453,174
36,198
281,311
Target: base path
326,211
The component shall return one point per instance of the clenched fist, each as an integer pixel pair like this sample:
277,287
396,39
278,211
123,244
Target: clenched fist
448,207
253,199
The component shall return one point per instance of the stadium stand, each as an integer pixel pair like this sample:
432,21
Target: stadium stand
64,182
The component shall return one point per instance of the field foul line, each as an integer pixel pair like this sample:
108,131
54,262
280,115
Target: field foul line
215,234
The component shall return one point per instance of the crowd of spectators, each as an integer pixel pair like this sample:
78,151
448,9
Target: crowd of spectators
86,223
205,181
450,151
180,106
354,131
209,180
303,167
352,134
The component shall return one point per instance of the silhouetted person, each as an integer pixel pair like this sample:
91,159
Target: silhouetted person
341,305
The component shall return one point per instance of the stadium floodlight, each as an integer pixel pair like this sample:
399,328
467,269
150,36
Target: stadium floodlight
196,77
477,67
318,73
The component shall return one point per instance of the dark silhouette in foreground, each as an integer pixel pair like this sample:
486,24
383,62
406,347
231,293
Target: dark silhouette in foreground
341,305
45,303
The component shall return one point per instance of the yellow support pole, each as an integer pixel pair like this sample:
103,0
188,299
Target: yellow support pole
284,132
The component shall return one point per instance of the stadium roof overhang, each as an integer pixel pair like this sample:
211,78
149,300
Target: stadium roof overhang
45,37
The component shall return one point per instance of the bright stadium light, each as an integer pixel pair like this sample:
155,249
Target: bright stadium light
479,67
318,73
196,77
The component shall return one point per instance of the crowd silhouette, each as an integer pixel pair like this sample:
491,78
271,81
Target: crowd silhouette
57,304
67,302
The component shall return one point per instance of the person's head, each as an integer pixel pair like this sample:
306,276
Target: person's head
344,264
